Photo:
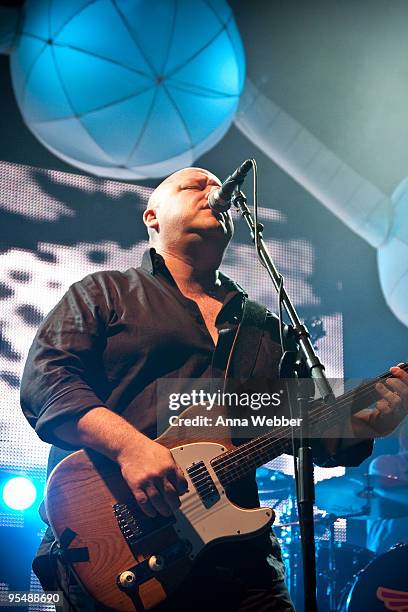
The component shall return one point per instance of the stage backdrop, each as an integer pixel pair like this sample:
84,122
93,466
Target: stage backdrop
56,228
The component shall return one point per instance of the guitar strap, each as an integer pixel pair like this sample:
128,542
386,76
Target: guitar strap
241,359
71,555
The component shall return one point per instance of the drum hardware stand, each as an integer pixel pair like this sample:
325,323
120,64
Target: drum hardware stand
332,564
292,547
331,520
305,489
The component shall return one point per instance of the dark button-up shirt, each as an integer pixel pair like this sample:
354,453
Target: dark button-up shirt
114,335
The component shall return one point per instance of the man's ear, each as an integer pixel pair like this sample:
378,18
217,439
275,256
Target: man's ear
150,219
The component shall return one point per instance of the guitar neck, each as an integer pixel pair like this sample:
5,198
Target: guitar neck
240,462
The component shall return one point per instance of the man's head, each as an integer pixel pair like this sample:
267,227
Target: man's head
178,217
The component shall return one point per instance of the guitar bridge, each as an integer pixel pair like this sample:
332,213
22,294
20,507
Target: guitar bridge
134,527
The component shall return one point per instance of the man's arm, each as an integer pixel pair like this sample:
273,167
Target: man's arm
61,396
149,469
356,442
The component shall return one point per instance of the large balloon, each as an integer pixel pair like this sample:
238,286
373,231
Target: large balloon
128,89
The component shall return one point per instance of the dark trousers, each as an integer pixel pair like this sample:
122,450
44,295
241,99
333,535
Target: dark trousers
216,596
234,577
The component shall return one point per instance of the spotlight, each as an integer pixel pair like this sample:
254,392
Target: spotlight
19,493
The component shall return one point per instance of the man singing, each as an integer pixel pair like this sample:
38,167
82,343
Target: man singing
91,377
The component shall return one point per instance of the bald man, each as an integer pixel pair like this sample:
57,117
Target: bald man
91,380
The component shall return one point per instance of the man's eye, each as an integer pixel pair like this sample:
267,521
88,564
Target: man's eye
192,187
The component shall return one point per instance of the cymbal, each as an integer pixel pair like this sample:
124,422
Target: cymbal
353,496
273,484
266,472
277,493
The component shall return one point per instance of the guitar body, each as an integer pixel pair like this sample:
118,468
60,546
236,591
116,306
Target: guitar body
130,562
127,561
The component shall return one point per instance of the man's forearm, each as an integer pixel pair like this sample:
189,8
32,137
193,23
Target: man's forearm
148,468
101,430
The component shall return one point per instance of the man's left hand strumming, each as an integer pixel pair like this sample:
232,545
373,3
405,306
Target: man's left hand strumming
389,411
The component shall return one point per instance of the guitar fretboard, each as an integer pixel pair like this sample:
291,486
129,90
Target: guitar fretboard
238,463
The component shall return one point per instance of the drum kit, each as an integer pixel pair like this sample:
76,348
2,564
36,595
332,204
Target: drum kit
349,578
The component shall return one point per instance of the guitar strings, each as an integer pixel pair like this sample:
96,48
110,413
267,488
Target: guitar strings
326,412
231,459
321,406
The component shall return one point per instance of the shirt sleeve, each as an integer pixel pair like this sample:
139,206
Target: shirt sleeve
349,452
63,376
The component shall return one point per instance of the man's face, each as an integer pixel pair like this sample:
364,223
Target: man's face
181,210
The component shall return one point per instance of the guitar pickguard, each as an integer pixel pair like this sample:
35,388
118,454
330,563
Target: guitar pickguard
210,516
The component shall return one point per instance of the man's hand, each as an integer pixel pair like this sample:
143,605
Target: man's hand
153,476
149,469
389,411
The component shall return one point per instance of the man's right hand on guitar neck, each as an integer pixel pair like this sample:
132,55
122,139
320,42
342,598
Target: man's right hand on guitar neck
148,468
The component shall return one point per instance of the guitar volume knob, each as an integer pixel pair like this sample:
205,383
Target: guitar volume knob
156,563
127,580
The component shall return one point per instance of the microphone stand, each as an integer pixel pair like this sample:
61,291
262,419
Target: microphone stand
305,483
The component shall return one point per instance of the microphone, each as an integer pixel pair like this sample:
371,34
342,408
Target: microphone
220,199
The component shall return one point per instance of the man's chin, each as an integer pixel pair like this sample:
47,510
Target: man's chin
215,234
211,230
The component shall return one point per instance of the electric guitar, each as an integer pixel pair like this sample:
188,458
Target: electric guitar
127,561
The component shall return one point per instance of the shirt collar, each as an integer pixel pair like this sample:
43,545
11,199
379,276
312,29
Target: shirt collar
154,263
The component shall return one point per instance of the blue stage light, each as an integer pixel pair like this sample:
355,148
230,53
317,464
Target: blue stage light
19,493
